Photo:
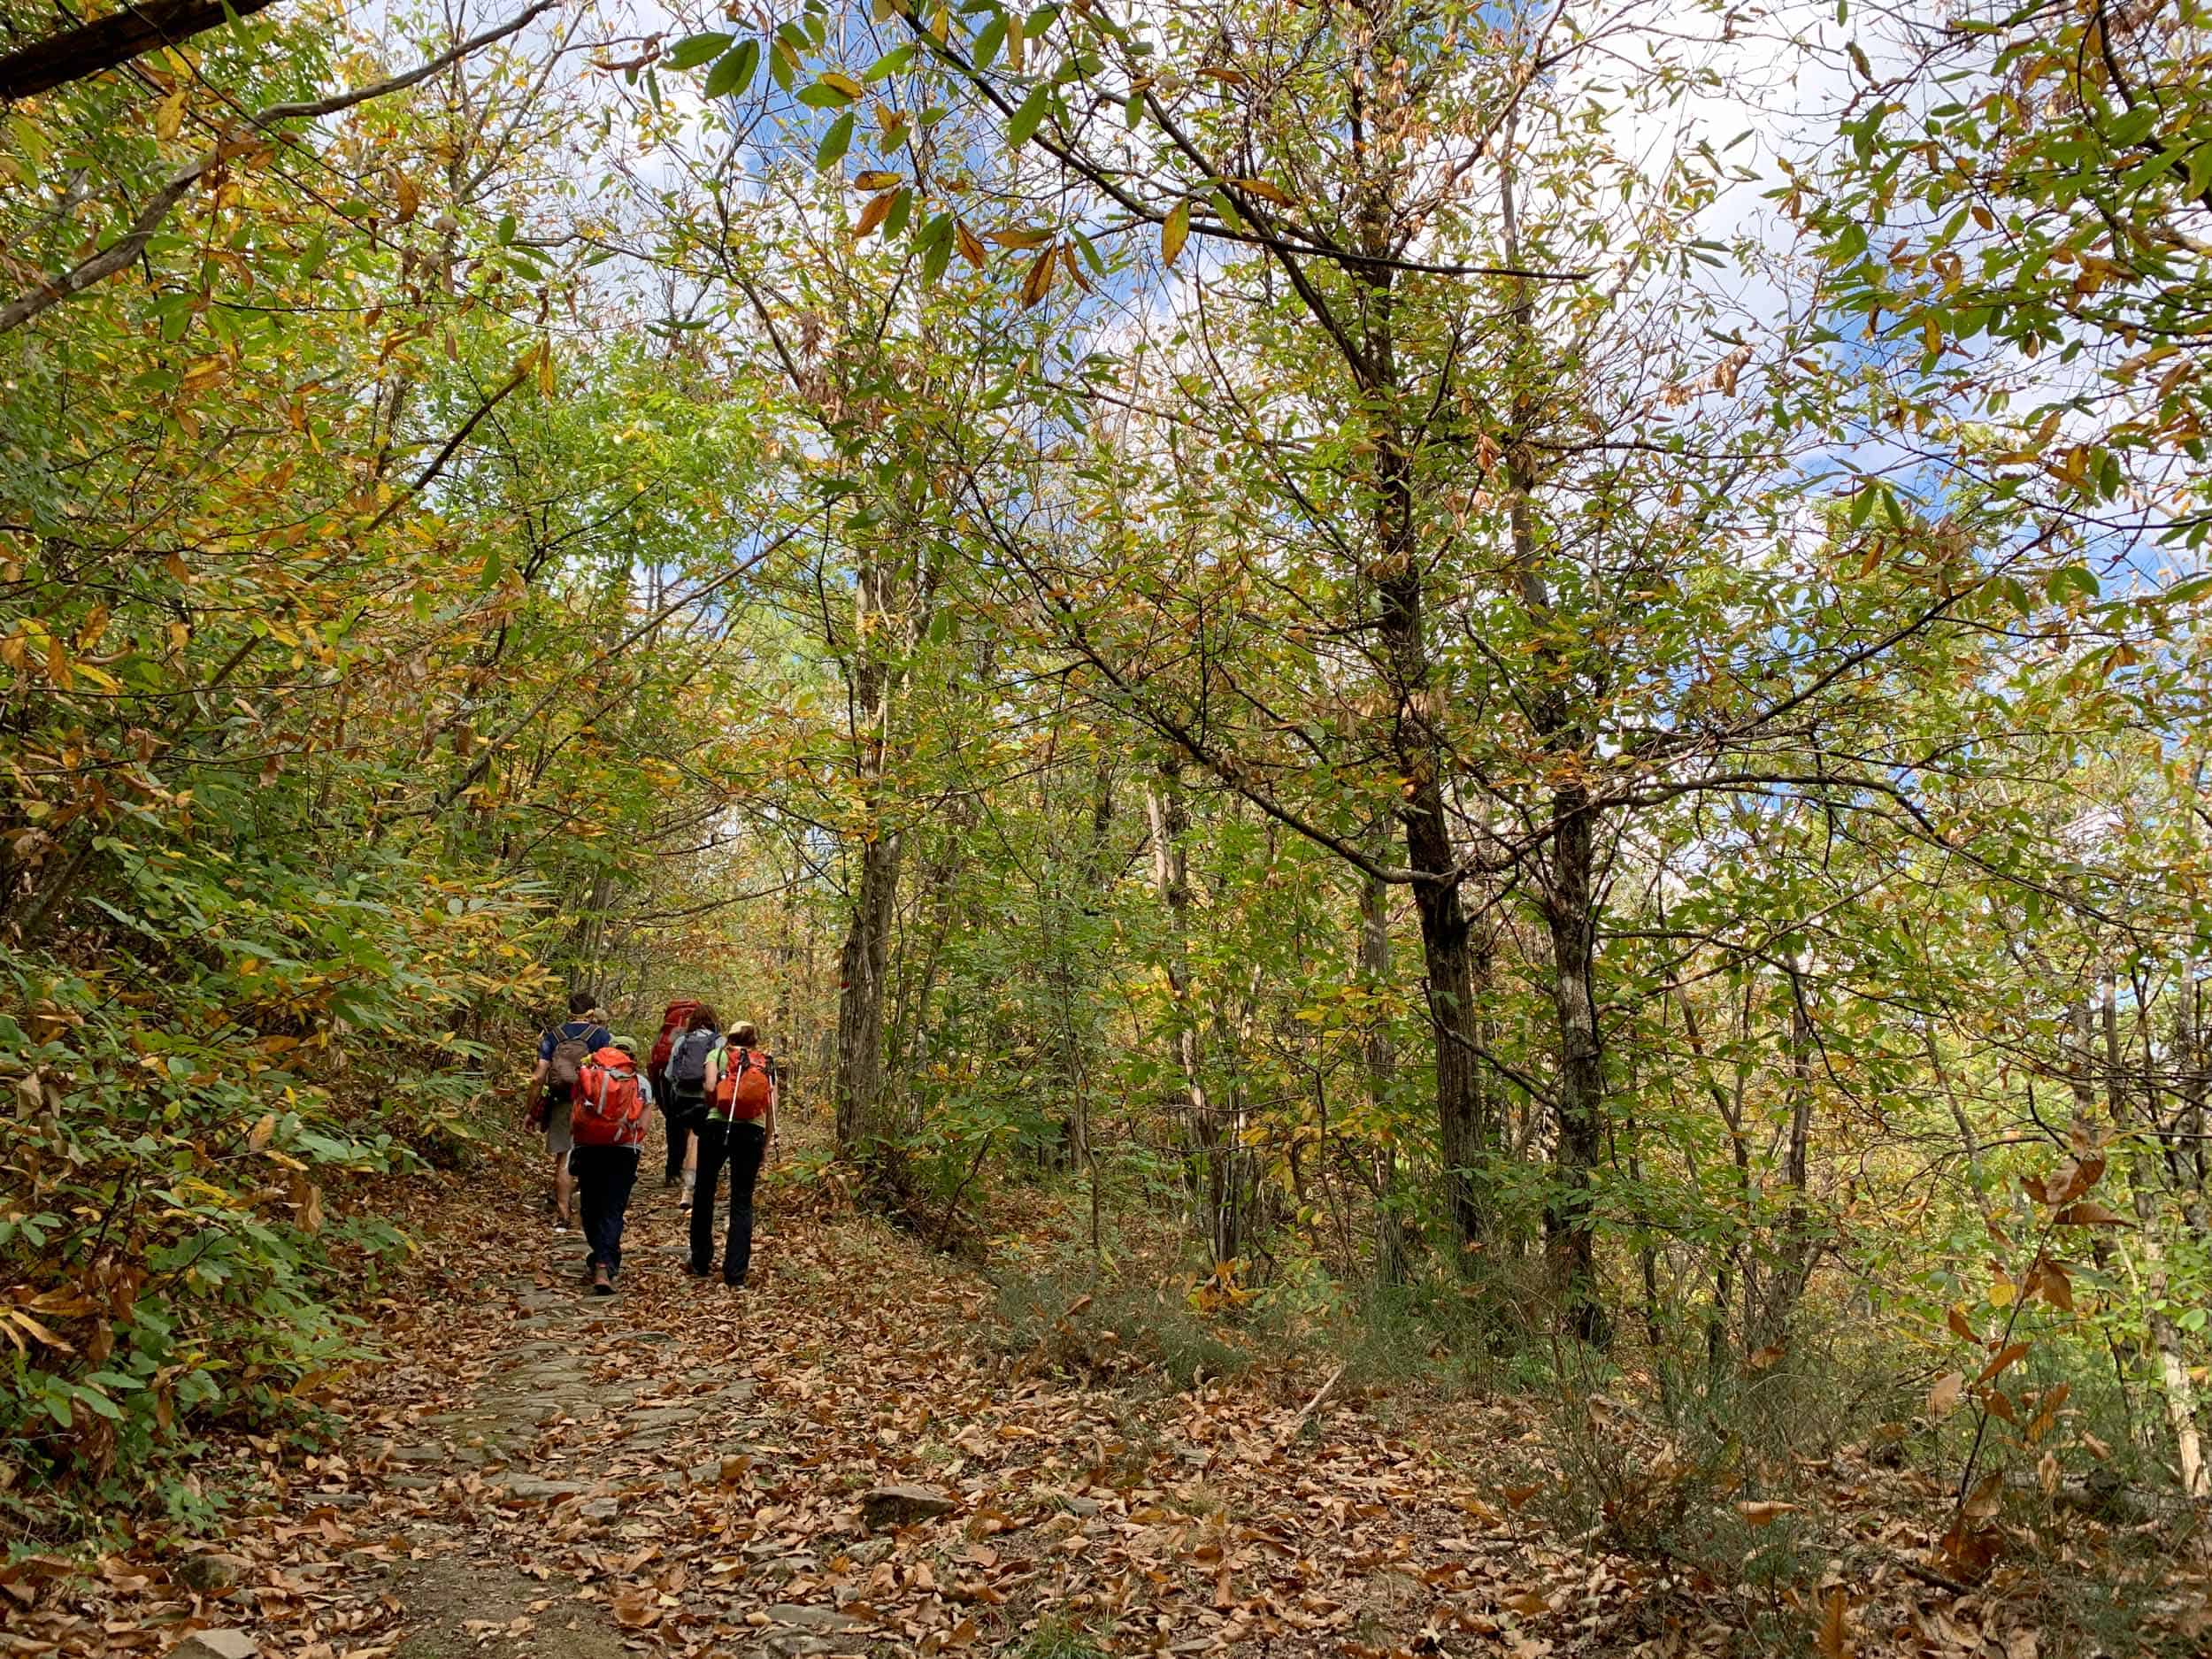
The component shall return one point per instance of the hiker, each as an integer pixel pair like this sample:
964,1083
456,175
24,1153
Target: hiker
686,1102
609,1126
561,1052
738,1127
675,1021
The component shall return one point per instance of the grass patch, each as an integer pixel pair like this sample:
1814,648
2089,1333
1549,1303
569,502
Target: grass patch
1114,1330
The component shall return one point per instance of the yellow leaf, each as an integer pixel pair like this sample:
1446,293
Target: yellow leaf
970,244
410,197
839,82
1265,191
258,1136
876,179
169,113
545,370
1027,237
1175,232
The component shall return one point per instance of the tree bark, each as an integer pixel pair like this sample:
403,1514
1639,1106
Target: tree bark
1381,1062
1170,881
1571,920
864,967
109,41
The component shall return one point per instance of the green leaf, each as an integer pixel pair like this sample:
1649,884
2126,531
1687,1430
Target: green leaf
988,40
834,143
2071,581
694,49
1029,118
734,73
889,63
820,96
936,240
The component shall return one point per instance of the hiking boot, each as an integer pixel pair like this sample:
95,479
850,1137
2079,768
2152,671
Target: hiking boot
601,1282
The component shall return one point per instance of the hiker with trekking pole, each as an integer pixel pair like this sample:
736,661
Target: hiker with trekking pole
738,1127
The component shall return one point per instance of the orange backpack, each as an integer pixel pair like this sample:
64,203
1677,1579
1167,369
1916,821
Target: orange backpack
747,1086
609,1106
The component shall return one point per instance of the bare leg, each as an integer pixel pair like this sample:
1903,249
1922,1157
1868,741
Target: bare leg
564,1191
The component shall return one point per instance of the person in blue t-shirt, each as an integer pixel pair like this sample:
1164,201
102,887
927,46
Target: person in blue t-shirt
561,1050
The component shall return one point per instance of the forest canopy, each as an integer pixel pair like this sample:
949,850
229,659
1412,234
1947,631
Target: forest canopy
1540,670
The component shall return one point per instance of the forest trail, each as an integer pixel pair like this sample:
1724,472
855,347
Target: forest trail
858,1456
685,1470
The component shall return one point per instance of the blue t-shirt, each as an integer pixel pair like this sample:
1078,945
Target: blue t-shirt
595,1037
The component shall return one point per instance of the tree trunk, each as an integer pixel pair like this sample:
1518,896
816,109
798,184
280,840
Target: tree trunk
1794,1249
863,969
1381,1062
1170,880
1571,919
1465,1134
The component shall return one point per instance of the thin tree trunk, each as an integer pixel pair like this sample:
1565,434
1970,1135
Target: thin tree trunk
1170,880
863,969
1964,1124
1382,1061
1571,919
1793,1252
864,966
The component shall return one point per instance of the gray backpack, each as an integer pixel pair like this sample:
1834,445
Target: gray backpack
687,1064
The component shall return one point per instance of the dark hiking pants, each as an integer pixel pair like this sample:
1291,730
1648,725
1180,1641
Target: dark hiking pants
741,1146
605,1175
682,1122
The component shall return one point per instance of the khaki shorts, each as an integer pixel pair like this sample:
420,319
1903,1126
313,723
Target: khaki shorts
558,1139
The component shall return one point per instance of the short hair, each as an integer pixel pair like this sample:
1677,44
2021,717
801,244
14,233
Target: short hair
745,1035
581,1002
702,1019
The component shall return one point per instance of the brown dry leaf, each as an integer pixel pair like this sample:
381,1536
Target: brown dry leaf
1987,1495
1039,281
1763,1512
875,212
1835,1639
1943,1398
2089,1213
2006,1357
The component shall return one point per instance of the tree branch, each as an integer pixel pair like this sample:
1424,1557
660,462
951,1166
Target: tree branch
99,266
109,41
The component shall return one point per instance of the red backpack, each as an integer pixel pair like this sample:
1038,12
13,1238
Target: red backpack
609,1106
746,1087
672,1022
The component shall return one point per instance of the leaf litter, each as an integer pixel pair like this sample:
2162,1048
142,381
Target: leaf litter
838,1460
